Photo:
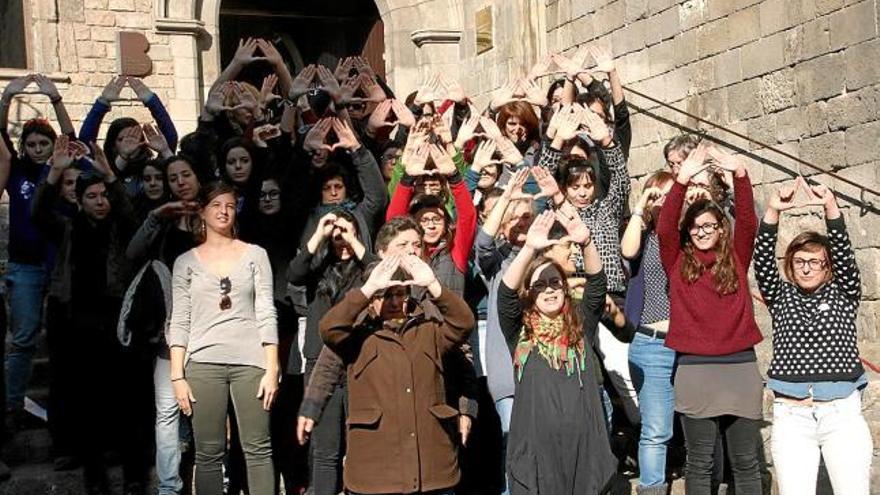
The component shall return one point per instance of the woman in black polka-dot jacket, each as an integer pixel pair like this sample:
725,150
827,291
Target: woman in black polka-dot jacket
815,373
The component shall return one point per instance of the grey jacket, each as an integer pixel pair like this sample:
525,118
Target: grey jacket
493,258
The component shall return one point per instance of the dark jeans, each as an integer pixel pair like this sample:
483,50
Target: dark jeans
741,436
328,445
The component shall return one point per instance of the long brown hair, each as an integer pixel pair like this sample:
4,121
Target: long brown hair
571,316
523,111
724,270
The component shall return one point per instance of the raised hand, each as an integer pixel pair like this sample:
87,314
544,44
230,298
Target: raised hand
330,84
509,152
427,92
505,94
382,276
404,116
156,140
302,81
267,90
514,191
567,124
603,58
346,231
491,129
363,67
46,86
379,118
483,157
568,216
347,139
17,85
343,68
244,54
246,100
571,68
467,129
546,182
441,128
140,89
649,196
316,138
818,195
539,232
693,164
534,94
597,129
442,160
132,140
696,193
453,88
422,275
272,55
371,88
541,68
111,91
100,162
62,153
415,160
726,161
783,198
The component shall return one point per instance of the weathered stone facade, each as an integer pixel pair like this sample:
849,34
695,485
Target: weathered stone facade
801,75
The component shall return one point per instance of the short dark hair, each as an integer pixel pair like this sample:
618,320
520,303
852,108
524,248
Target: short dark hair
392,229
85,181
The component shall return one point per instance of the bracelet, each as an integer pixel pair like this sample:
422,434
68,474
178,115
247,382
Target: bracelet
55,100
638,212
178,379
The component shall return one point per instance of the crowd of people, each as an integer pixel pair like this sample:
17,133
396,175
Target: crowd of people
327,287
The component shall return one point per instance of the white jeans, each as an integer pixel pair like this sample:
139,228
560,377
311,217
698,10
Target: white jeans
838,430
616,362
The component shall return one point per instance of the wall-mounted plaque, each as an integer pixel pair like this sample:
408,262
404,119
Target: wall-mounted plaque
484,29
132,54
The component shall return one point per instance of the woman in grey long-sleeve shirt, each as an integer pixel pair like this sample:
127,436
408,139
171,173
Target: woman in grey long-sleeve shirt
224,343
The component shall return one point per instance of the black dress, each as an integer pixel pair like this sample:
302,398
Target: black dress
558,443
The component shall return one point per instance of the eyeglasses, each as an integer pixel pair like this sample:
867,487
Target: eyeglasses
274,194
814,263
706,228
225,289
431,221
554,283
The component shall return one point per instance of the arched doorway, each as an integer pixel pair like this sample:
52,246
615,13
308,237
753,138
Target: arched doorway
305,31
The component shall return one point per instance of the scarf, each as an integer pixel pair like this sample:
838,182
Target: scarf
551,343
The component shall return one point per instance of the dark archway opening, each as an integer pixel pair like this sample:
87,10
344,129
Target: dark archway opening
304,31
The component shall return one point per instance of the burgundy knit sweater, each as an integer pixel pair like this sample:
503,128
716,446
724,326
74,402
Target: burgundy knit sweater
702,321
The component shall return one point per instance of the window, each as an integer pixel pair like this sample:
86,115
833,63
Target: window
12,35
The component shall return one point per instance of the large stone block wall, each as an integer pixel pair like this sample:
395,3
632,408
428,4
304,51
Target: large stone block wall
801,75
74,41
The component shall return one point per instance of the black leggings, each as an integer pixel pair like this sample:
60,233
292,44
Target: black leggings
742,445
328,445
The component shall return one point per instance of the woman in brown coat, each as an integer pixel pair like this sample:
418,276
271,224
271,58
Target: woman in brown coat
401,433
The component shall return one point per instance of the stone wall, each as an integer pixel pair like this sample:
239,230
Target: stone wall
801,75
74,42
